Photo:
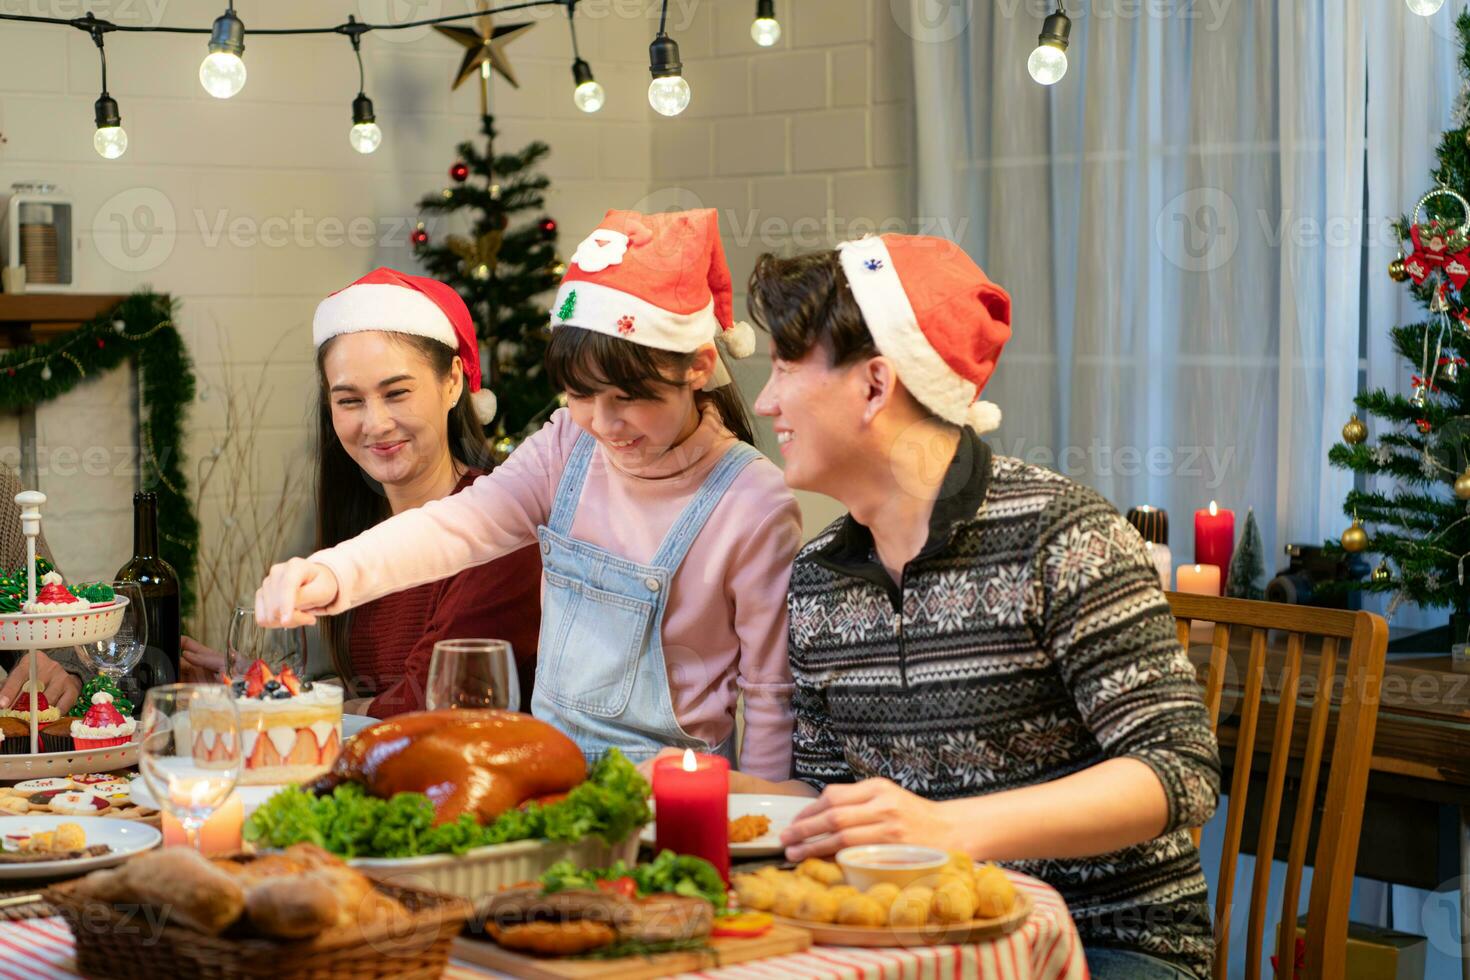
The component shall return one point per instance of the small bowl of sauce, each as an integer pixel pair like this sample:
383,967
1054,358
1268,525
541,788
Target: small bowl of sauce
898,864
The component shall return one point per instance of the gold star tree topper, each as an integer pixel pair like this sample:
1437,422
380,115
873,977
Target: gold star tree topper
484,51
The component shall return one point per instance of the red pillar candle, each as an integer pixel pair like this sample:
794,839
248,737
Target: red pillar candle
1214,537
691,801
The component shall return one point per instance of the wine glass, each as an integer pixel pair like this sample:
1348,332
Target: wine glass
117,655
189,751
473,674
248,642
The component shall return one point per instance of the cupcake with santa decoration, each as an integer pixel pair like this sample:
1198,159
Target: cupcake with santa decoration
103,726
15,721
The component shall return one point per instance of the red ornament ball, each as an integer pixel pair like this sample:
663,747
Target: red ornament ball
101,343
459,171
548,226
419,237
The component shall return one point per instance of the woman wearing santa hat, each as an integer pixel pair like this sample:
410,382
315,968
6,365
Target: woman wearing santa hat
666,537
401,416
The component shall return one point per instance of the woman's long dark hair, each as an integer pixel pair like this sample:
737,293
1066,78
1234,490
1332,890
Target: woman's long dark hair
348,501
582,362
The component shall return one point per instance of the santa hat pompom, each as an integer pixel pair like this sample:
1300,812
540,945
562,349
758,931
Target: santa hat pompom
484,404
740,340
983,417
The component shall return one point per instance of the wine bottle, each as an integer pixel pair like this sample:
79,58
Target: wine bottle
160,587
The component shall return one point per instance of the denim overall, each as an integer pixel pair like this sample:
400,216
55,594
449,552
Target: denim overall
602,678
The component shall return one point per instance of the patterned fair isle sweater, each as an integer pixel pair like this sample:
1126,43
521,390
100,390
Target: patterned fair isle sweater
1029,640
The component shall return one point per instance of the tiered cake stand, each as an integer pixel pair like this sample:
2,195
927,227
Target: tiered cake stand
52,631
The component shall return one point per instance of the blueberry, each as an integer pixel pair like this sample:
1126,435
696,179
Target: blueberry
262,696
281,695
272,685
238,687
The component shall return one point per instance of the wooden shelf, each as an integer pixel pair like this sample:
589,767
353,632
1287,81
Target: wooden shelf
32,317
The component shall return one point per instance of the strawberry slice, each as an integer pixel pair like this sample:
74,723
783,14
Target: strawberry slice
289,680
256,677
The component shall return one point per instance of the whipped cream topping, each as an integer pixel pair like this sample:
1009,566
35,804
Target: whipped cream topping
320,695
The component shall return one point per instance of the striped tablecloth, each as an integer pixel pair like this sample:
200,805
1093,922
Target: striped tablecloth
1047,947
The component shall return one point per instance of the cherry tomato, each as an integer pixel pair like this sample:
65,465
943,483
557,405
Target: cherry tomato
623,886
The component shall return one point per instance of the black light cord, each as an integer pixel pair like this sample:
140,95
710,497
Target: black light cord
97,33
90,24
572,22
663,17
355,36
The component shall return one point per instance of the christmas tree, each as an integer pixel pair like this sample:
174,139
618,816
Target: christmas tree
1415,517
1247,578
501,272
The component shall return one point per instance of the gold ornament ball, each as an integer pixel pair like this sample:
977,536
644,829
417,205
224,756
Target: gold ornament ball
1396,270
1355,539
1354,432
1462,485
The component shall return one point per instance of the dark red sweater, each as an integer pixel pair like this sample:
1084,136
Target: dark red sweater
392,638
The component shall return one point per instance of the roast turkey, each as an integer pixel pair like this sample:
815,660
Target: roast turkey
481,762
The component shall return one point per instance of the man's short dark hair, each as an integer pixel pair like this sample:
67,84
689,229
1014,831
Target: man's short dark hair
805,302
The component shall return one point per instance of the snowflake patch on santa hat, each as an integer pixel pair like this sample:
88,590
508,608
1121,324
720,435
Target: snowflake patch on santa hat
935,314
659,280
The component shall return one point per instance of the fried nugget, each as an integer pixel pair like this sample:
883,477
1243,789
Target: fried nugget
748,828
822,872
819,906
996,895
861,910
953,901
911,907
755,892
884,893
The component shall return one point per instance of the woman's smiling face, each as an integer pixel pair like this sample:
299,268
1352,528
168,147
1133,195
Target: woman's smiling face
389,409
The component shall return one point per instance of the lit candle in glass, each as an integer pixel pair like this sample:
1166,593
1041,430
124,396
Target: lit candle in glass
691,799
220,833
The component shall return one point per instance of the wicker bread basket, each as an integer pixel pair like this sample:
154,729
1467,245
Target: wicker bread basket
128,943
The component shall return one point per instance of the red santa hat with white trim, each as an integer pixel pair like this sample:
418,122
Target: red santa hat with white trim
659,280
935,314
386,299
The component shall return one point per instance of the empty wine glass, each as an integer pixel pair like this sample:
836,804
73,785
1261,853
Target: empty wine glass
473,674
120,653
189,751
248,642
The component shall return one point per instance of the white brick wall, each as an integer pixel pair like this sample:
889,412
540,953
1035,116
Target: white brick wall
257,195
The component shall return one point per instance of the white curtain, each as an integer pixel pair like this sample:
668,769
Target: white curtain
1181,224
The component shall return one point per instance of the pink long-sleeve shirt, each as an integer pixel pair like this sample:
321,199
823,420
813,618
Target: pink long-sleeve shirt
724,627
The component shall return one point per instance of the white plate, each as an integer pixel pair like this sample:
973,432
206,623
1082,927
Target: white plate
781,809
250,796
125,837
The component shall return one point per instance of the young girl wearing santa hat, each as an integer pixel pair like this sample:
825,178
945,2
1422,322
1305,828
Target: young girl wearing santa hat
666,539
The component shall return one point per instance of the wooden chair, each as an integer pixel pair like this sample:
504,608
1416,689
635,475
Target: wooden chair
1354,716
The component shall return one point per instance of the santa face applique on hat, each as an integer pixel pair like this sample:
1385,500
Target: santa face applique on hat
659,280
935,314
395,302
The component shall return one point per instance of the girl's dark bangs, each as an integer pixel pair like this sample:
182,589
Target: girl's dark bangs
582,363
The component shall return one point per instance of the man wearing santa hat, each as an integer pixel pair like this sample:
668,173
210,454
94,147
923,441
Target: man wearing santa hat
983,660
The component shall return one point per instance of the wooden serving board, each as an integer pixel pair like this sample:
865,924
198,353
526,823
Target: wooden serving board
782,939
975,931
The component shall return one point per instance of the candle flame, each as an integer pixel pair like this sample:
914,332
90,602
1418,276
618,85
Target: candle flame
689,764
1214,508
1198,569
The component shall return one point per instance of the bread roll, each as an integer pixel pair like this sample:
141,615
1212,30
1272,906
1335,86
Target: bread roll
194,892
292,908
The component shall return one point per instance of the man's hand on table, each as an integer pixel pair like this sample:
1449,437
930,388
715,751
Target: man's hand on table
61,688
293,593
874,811
198,664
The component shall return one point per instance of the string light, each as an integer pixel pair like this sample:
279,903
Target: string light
222,72
1048,63
669,92
588,96
766,30
110,140
1424,8
365,136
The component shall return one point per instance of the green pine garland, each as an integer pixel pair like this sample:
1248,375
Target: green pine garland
139,327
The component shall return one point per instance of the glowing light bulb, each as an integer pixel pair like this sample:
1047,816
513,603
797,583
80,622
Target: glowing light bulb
110,142
669,95
222,74
589,96
1047,64
1424,8
365,137
765,31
